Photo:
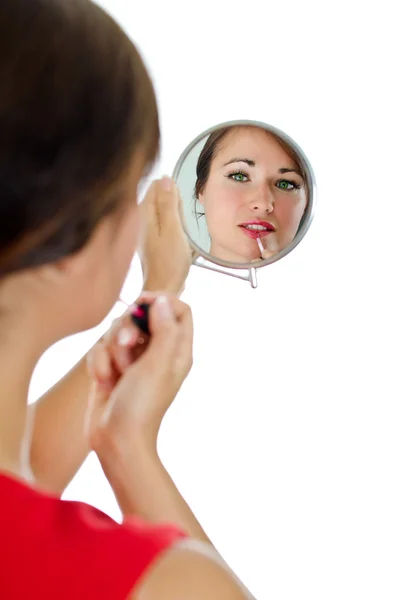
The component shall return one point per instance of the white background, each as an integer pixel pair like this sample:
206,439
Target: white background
283,439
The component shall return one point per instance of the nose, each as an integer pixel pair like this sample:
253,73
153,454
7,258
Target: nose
263,201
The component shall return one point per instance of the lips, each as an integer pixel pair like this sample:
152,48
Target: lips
257,229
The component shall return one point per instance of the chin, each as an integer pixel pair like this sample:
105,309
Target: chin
238,257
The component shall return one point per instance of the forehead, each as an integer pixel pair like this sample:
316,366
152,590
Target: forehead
253,143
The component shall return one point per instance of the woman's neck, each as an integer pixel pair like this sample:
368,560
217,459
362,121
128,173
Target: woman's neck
20,350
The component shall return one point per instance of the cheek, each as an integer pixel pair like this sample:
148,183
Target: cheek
221,203
290,211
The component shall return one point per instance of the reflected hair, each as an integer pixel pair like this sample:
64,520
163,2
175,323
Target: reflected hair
76,106
213,145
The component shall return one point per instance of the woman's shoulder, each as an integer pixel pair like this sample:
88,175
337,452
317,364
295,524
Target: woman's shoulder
59,548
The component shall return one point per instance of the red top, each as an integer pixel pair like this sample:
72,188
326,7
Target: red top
57,549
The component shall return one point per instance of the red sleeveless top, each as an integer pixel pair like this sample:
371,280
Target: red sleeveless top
57,549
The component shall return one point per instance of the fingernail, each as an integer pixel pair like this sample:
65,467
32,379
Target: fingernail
126,337
164,308
166,183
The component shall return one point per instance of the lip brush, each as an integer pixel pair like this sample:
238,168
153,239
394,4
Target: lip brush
261,248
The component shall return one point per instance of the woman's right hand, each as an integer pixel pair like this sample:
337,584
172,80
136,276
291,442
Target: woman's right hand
135,402
135,406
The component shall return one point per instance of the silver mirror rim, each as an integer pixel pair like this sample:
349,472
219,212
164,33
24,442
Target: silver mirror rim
308,216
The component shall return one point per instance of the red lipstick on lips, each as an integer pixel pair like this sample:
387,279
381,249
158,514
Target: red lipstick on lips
257,233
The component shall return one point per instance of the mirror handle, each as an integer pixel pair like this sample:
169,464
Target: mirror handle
245,274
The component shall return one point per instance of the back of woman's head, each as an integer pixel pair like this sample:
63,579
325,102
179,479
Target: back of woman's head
76,103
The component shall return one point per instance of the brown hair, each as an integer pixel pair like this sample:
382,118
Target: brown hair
211,148
76,103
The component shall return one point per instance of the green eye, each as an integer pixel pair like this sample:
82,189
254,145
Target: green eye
240,177
286,185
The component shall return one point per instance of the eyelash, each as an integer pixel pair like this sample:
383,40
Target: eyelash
296,186
232,175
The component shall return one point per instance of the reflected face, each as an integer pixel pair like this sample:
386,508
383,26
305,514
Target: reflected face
254,190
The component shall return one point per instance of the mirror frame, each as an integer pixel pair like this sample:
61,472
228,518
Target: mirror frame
245,270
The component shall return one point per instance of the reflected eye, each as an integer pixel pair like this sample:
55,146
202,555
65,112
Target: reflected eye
286,185
239,177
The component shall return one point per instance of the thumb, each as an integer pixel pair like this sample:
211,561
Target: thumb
167,199
163,327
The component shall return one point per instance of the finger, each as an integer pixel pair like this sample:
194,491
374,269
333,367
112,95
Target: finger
179,308
180,209
149,196
167,203
167,192
100,406
126,343
100,366
123,339
185,341
147,207
170,351
164,329
164,323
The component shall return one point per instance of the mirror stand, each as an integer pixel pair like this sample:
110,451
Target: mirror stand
245,274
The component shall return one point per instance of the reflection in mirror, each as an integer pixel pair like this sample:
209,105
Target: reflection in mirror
247,192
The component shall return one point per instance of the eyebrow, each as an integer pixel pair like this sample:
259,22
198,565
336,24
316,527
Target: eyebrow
252,163
248,161
291,171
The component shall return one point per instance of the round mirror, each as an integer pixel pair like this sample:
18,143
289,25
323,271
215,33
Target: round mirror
248,196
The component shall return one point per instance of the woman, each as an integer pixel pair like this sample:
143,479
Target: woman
79,128
251,186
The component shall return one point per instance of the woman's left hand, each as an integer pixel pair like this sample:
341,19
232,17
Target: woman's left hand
165,251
